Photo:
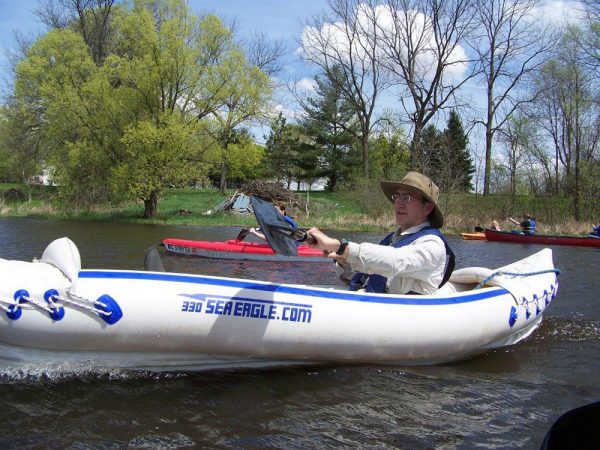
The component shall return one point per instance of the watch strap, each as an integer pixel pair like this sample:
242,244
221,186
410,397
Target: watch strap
342,248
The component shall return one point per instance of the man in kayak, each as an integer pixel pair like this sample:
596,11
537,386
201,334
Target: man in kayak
411,260
527,225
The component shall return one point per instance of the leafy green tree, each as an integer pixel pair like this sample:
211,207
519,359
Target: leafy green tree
57,107
244,93
20,152
246,159
170,72
390,154
158,156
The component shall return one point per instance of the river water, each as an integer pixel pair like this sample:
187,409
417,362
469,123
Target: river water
506,398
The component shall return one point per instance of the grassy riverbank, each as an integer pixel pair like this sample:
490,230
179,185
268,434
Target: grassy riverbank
363,211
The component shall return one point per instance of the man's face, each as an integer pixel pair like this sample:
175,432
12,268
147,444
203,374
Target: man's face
410,208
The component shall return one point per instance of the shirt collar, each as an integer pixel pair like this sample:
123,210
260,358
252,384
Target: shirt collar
398,234
414,229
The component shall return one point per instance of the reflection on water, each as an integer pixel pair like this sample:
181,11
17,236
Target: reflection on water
506,398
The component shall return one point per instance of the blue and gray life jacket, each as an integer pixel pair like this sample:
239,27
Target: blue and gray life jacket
377,283
530,229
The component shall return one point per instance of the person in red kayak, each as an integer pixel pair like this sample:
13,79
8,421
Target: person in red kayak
280,207
527,225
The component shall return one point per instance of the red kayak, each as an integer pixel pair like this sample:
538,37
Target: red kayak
233,249
503,236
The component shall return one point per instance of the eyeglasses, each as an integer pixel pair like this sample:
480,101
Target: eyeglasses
404,198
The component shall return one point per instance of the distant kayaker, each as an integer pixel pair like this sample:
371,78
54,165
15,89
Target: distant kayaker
495,226
527,225
595,231
411,260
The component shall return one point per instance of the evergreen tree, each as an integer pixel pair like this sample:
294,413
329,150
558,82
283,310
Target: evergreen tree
306,156
446,158
331,121
432,153
459,159
278,150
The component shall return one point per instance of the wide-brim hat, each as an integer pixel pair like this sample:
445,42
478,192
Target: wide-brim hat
416,181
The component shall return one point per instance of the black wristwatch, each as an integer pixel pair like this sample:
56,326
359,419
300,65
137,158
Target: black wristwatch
342,248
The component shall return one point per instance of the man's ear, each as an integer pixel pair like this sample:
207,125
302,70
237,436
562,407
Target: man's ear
429,208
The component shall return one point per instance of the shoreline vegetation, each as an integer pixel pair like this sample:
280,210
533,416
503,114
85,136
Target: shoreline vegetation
364,211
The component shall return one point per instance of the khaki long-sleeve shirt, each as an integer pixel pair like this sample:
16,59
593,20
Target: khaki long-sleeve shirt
417,267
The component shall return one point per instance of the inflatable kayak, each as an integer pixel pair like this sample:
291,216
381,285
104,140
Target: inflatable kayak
52,310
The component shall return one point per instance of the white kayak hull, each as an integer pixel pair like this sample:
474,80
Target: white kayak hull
174,320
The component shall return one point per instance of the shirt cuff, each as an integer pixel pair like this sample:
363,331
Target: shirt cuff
353,251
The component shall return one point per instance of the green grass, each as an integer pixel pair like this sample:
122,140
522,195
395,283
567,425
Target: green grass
363,210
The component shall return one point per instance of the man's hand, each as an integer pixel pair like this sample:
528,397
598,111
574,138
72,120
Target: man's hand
327,244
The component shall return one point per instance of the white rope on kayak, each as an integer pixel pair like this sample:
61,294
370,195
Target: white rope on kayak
6,308
21,297
52,306
19,301
514,274
80,302
34,303
105,306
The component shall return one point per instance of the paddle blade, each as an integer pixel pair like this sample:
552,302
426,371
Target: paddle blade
152,261
278,232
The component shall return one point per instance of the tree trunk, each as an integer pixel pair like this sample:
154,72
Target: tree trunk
364,141
150,205
223,180
416,155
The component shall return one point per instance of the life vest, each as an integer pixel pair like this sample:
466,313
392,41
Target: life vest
530,229
377,283
291,221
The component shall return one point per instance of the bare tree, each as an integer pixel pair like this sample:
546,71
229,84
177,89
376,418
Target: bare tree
511,46
422,47
14,55
516,137
567,112
266,54
590,39
348,40
91,18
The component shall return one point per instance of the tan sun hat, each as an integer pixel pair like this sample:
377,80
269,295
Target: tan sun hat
416,181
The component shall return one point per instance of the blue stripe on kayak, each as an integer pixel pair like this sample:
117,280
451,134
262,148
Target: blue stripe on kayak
334,294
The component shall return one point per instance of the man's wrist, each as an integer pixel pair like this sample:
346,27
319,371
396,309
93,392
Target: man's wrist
342,247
